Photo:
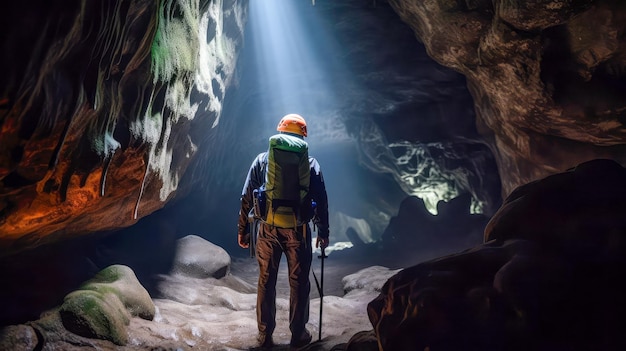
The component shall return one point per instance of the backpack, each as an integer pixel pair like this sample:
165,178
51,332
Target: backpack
283,200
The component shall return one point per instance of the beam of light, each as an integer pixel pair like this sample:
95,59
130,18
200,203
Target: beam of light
294,57
296,61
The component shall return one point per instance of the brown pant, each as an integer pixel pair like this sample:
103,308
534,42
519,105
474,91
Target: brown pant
271,244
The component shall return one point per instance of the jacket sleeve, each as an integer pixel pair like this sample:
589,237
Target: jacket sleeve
254,180
318,193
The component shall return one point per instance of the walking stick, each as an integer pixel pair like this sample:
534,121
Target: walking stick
320,289
322,257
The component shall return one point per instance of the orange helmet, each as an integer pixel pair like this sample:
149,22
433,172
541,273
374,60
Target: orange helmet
292,123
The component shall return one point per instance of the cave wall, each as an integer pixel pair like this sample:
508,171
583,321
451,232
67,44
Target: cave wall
546,76
103,105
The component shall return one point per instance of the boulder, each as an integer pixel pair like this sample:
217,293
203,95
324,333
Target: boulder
198,258
416,229
363,341
95,315
18,338
578,211
102,307
367,279
548,278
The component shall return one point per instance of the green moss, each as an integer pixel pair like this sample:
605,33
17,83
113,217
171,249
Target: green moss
174,50
158,50
102,307
94,315
101,288
108,275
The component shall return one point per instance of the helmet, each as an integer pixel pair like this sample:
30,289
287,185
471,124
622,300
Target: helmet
292,123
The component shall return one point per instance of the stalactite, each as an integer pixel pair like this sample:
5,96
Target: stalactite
110,45
105,170
57,150
143,184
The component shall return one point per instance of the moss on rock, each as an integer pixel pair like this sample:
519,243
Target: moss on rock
95,315
103,306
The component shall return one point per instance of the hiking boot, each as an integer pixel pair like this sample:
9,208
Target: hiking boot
303,340
264,341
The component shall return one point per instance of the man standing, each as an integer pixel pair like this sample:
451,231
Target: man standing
275,238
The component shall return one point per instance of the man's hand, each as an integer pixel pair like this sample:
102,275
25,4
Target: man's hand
244,240
321,242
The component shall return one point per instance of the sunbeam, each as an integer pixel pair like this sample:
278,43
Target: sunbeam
294,64
295,70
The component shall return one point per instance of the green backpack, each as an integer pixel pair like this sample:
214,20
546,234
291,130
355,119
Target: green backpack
284,195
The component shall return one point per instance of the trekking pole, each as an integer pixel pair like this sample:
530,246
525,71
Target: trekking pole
320,289
322,257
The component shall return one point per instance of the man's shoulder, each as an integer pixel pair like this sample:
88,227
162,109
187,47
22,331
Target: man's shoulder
260,157
314,164
259,161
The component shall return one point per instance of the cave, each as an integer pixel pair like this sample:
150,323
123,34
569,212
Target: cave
473,154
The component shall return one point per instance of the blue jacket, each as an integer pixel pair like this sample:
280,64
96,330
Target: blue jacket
256,178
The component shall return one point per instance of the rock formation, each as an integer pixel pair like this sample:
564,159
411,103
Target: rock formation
101,308
547,277
415,229
546,76
198,258
103,107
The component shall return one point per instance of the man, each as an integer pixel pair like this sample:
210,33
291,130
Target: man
295,243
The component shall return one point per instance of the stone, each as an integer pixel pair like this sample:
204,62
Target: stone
417,229
18,338
363,341
94,315
547,277
199,258
578,210
368,279
103,306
